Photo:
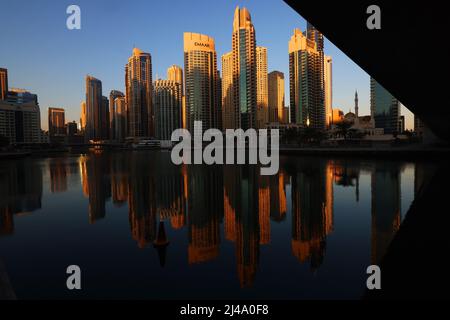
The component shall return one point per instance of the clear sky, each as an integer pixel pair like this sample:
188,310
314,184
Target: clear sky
46,58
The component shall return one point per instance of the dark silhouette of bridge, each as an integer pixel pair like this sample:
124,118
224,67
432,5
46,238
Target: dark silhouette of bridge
409,55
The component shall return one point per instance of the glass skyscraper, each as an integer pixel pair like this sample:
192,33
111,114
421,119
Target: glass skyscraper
385,108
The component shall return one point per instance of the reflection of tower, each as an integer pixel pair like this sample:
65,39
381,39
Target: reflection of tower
386,208
141,200
241,193
58,175
312,212
205,210
278,197
161,243
99,186
119,179
20,189
264,193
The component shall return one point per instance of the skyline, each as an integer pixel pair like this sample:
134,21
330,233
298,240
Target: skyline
101,48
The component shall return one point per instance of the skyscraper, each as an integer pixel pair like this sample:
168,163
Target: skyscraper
105,118
83,116
56,122
168,102
3,83
384,107
202,81
328,89
262,94
244,70
175,73
228,112
113,95
120,119
94,111
276,96
138,84
306,82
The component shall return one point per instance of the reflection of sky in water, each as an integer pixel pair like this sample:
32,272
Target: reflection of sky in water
48,239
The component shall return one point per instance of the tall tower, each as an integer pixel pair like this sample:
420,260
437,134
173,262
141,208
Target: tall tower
113,95
83,116
138,84
3,83
262,84
384,107
228,112
94,111
168,100
105,118
276,96
306,82
328,89
120,119
202,81
175,73
244,69
56,122
356,104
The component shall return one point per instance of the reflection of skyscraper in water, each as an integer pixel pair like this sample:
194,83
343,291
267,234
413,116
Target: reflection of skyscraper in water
278,197
58,174
119,179
141,199
243,199
205,211
312,218
20,189
386,207
99,185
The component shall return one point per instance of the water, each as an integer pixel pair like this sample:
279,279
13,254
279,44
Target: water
140,227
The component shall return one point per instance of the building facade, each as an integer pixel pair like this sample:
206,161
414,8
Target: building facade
113,95
120,119
95,112
56,122
328,89
228,112
244,70
384,107
262,84
167,103
276,96
201,82
306,82
138,84
175,73
3,83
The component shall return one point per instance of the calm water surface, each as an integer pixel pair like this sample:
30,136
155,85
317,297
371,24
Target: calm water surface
140,227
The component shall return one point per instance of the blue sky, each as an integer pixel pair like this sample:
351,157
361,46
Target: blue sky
46,58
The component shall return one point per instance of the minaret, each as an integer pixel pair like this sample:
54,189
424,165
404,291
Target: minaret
356,108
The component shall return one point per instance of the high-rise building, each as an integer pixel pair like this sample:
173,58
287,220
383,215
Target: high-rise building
72,128
83,116
175,73
95,112
276,96
105,118
138,84
262,94
328,89
384,107
419,126
56,122
201,81
228,112
3,83
306,82
113,95
120,119
167,104
244,70
20,117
